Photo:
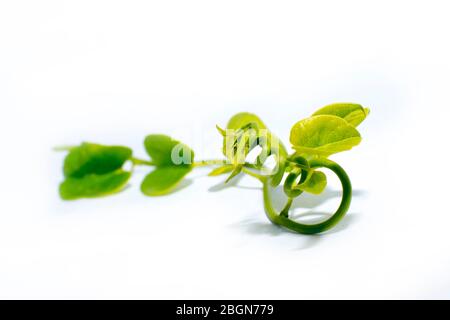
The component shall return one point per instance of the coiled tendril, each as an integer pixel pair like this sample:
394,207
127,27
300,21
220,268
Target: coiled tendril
283,219
298,170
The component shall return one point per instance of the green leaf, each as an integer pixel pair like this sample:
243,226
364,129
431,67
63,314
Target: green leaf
323,135
90,158
236,171
351,112
173,161
241,133
244,119
93,185
222,132
94,170
164,179
248,129
314,184
244,132
166,151
221,170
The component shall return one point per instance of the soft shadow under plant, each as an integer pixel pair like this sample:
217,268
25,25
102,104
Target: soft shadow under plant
94,170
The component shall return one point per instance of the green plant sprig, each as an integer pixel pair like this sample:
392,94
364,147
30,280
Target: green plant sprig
94,170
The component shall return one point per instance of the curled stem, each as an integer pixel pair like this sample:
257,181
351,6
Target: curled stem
282,219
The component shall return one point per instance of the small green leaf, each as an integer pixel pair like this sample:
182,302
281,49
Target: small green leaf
221,170
244,132
166,151
164,179
93,185
222,132
90,158
323,135
243,119
236,171
173,161
351,112
314,184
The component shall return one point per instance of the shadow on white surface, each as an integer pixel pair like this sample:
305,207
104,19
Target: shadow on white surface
222,185
182,185
308,201
255,227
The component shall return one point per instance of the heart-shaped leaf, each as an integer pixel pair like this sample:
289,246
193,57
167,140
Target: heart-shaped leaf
93,185
351,112
90,158
164,179
166,151
173,161
94,170
323,135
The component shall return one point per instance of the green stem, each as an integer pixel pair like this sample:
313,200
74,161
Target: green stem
63,148
140,162
285,211
205,163
253,174
282,220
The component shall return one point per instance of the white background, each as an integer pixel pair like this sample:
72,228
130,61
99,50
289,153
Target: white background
113,71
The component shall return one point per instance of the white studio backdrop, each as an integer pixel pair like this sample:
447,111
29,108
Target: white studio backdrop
114,71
